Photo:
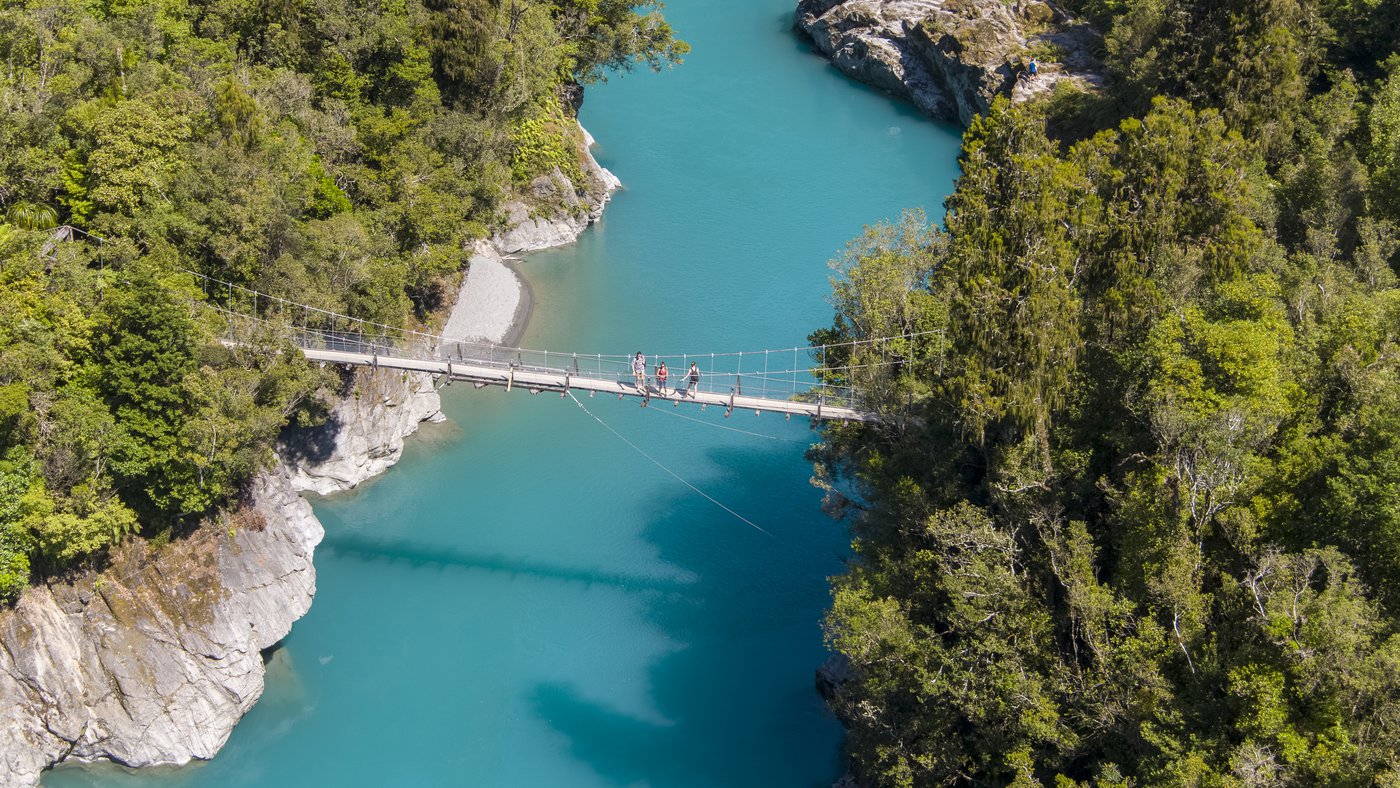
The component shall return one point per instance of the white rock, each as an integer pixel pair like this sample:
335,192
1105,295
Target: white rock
157,660
951,59
366,432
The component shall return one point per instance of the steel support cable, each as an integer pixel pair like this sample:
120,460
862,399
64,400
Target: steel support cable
769,382
658,464
728,429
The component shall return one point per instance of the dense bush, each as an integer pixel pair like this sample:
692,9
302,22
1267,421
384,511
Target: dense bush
341,154
1141,523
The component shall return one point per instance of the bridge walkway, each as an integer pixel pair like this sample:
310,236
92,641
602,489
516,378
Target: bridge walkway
561,381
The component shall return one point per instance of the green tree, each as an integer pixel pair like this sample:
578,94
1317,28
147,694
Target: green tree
28,216
145,345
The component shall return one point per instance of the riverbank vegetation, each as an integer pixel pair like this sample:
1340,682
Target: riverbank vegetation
337,153
1141,523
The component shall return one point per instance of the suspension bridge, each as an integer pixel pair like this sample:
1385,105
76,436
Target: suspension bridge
790,381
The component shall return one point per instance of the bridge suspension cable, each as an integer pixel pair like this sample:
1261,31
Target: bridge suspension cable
827,380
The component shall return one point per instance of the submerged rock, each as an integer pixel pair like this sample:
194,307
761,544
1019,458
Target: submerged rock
951,58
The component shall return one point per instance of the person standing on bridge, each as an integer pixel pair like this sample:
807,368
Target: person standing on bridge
694,380
661,374
639,370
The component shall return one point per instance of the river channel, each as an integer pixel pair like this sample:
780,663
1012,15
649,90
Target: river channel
525,600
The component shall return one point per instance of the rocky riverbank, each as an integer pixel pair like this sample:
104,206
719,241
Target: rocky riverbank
154,660
365,433
952,58
493,304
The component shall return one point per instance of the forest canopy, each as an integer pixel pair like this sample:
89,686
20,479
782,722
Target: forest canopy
338,151
1132,513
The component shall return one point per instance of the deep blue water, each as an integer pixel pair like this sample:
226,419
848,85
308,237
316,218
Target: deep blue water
527,601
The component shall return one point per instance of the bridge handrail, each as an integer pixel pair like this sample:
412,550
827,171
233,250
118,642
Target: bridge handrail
747,373
784,384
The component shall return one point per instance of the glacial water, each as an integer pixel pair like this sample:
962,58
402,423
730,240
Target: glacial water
525,600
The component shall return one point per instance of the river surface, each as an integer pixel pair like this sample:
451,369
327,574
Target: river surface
525,600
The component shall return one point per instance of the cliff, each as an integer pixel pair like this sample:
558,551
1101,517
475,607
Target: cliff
365,433
554,209
951,58
155,659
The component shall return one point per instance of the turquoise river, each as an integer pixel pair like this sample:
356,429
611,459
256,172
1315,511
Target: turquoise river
524,600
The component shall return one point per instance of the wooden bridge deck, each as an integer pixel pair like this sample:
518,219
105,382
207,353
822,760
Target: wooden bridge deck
536,381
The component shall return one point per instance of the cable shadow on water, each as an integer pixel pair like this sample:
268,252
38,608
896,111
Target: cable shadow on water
748,630
427,555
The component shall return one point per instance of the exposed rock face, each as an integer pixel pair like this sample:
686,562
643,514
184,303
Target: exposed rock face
155,660
951,58
530,231
366,431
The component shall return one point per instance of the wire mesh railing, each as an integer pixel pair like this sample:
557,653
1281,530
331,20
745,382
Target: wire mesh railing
765,374
797,373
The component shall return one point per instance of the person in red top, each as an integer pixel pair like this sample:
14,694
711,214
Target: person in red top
661,375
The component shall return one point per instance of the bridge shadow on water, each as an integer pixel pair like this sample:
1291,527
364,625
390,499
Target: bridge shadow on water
748,630
433,555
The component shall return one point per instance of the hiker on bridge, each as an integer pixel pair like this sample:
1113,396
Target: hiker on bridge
694,380
639,370
661,374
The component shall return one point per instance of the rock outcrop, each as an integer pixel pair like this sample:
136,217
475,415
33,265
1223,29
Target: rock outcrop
493,302
833,674
156,659
951,58
572,206
365,433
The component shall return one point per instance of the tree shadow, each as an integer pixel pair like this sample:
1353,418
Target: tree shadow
310,444
316,444
749,630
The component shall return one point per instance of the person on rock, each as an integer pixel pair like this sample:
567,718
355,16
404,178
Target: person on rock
1033,70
